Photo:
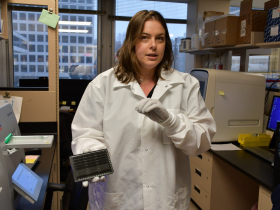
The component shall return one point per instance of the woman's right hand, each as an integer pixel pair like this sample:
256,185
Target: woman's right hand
95,179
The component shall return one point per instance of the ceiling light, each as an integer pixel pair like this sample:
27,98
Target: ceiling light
74,23
72,31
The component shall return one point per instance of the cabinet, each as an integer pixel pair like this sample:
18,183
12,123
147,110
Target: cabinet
264,199
217,185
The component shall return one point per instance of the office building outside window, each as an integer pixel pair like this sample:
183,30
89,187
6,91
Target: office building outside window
169,10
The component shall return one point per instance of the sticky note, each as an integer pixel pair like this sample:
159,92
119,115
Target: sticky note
63,102
49,19
73,103
221,93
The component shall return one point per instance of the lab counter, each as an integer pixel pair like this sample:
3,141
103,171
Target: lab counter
252,166
43,169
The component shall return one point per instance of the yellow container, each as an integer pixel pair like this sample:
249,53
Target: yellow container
253,140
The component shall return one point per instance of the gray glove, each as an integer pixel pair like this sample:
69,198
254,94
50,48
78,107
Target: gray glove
153,109
95,179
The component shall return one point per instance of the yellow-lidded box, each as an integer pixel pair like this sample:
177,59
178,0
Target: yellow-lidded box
251,140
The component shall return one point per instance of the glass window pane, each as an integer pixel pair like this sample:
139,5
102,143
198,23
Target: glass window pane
40,27
32,58
31,16
22,16
31,38
32,48
40,38
28,39
32,68
78,4
15,26
169,10
76,60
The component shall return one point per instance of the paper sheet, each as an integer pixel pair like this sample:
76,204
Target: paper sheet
224,147
48,18
16,103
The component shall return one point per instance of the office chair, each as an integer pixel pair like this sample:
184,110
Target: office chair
65,122
75,196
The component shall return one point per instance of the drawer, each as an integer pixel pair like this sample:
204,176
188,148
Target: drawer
200,196
201,177
204,161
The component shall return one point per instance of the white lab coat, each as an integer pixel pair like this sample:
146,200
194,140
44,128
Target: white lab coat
151,166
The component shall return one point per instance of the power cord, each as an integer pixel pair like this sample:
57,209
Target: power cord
267,92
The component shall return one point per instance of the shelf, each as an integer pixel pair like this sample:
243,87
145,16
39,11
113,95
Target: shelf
269,45
219,49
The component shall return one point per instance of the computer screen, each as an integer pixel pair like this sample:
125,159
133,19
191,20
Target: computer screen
202,77
274,116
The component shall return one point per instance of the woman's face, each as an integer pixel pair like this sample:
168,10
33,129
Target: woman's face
150,48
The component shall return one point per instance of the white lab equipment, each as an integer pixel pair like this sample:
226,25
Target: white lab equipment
12,157
235,100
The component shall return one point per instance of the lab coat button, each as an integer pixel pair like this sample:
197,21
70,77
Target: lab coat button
146,150
147,186
166,85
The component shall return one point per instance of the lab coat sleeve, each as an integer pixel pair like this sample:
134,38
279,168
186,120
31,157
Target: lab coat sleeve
193,127
87,129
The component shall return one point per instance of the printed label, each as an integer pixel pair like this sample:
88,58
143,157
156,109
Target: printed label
243,28
275,13
274,31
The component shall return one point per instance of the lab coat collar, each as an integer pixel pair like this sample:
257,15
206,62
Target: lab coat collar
170,79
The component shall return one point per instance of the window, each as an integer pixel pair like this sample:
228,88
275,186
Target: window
40,58
81,49
32,58
15,26
89,40
31,16
31,27
41,68
32,68
31,37
22,26
31,48
40,27
81,39
40,38
40,48
22,16
73,39
23,68
28,39
64,39
169,10
73,49
23,58
64,49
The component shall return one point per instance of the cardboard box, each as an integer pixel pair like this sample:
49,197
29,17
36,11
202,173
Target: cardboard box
209,34
271,4
226,31
272,33
250,21
273,17
211,13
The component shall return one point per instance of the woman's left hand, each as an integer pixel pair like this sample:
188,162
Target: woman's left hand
153,109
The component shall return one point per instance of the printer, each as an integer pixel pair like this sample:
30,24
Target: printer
12,156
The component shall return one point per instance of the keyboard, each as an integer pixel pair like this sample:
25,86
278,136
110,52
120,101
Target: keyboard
263,153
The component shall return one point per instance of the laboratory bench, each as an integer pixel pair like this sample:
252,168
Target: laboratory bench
232,180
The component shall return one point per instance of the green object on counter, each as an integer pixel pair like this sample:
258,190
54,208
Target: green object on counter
8,138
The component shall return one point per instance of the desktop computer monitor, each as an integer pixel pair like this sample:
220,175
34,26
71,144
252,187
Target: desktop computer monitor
274,115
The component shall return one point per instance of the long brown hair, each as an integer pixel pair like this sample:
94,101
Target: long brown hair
127,66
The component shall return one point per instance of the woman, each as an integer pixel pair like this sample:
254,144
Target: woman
150,117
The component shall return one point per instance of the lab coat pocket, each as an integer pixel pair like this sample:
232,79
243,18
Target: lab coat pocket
180,200
109,201
165,138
